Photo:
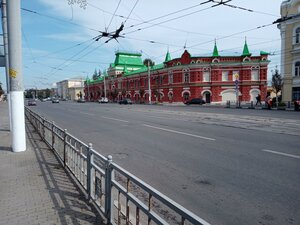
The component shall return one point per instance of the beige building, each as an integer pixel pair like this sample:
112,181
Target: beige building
70,89
290,49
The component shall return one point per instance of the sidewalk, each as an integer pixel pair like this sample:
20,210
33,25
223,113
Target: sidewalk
34,187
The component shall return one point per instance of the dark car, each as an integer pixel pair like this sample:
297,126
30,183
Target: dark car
195,101
125,102
31,102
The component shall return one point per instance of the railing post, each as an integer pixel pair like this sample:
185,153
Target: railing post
43,128
289,104
252,105
52,132
65,144
90,159
108,197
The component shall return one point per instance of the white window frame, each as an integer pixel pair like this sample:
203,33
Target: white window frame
170,77
206,76
225,75
186,75
254,74
297,69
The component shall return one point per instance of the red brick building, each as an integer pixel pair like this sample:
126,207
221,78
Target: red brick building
214,78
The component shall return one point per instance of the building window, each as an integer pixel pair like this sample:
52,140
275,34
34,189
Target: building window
297,69
170,77
296,93
297,35
206,76
224,75
146,82
254,74
186,96
186,75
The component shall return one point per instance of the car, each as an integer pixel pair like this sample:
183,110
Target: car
55,100
103,100
31,102
125,101
81,100
195,101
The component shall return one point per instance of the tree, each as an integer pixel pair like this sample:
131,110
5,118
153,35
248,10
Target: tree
95,75
277,83
148,62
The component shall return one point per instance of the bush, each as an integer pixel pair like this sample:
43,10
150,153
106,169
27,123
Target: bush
281,104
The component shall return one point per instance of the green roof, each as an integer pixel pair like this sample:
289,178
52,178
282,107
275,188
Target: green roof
216,52
144,69
246,50
129,59
264,53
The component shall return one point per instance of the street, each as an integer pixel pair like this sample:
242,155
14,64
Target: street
228,166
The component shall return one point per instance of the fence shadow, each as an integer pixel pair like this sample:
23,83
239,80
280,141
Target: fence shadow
68,201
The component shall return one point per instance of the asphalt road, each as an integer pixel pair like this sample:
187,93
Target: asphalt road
229,166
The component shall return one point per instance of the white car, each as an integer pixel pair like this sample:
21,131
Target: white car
103,100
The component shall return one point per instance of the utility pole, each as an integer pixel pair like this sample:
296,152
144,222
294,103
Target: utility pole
16,75
5,41
104,85
149,88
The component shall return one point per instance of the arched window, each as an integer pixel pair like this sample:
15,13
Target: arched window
297,69
297,35
186,75
170,77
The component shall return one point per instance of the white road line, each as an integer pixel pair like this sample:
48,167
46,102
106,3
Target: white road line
179,132
281,153
109,118
90,114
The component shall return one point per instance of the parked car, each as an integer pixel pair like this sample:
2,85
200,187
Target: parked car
125,102
81,100
31,102
55,100
103,100
195,101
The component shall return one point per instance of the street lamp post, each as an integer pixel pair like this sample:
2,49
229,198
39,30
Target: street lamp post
149,83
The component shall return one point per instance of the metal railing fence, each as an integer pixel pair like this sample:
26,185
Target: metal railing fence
119,195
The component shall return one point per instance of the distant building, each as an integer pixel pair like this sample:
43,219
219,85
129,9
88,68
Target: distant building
290,49
70,89
213,78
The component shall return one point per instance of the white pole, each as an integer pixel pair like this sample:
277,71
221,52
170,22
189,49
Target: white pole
16,75
149,88
5,41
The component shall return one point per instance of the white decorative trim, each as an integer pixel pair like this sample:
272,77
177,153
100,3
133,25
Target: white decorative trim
209,91
185,91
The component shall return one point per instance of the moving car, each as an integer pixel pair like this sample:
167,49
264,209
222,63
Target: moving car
195,101
103,100
55,100
125,102
31,102
81,100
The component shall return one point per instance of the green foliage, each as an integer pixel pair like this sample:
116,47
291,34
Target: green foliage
277,81
148,62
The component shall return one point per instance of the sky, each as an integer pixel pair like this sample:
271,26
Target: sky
58,36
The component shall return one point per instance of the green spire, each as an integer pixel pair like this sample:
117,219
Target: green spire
168,56
216,52
246,49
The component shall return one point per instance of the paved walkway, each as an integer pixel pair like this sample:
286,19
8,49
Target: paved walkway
34,187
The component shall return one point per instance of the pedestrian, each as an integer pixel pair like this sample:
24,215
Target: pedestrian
258,99
268,101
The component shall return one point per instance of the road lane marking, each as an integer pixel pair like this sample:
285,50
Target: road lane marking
179,132
109,118
89,114
281,153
